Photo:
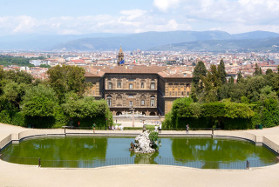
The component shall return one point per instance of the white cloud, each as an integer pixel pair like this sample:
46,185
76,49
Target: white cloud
164,5
133,14
25,24
228,15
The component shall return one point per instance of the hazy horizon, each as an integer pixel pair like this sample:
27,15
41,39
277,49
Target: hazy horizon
68,17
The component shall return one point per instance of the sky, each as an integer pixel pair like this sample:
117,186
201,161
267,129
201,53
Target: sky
134,16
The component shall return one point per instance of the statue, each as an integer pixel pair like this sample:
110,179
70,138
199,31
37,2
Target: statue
145,144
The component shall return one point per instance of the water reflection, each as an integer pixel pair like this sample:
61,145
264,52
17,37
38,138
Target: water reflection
101,151
213,152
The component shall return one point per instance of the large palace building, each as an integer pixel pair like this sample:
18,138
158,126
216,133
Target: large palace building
148,90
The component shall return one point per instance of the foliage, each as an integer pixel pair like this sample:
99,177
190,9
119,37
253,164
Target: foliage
239,77
225,114
19,76
45,66
87,110
64,79
258,70
13,92
199,71
20,61
18,119
5,116
153,136
31,103
222,72
39,101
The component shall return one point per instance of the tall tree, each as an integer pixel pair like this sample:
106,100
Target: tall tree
222,72
64,79
268,72
239,77
199,71
257,70
212,84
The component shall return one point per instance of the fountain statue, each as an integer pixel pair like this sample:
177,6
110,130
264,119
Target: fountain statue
145,142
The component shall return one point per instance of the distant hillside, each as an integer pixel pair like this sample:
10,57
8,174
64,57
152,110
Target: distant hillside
42,42
255,35
143,41
267,45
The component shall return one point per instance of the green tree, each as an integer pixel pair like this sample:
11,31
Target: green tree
39,101
253,87
45,66
222,72
212,83
231,80
13,92
87,110
39,104
268,107
269,72
258,70
239,76
19,76
64,79
199,71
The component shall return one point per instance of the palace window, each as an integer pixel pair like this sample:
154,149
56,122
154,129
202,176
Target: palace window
109,100
142,102
152,101
118,84
131,103
109,85
152,86
142,85
119,100
130,86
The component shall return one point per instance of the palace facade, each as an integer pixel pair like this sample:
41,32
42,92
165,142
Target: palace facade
148,90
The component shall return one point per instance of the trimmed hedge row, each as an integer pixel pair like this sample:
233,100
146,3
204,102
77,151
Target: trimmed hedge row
223,115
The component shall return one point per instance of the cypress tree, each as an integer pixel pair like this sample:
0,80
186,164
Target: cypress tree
257,70
200,70
222,72
239,76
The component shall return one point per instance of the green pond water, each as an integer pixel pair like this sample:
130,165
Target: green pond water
86,152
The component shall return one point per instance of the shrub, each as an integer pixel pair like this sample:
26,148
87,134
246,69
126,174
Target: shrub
5,116
19,119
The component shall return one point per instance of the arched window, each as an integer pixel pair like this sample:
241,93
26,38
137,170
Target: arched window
119,84
110,85
152,114
119,100
152,101
142,84
152,86
109,100
142,100
118,113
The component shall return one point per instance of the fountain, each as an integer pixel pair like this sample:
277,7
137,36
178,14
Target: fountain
145,142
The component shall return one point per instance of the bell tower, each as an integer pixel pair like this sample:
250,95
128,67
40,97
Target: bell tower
120,57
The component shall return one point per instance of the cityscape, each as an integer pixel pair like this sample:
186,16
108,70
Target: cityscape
234,62
139,93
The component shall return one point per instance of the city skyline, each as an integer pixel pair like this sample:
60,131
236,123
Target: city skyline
84,16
